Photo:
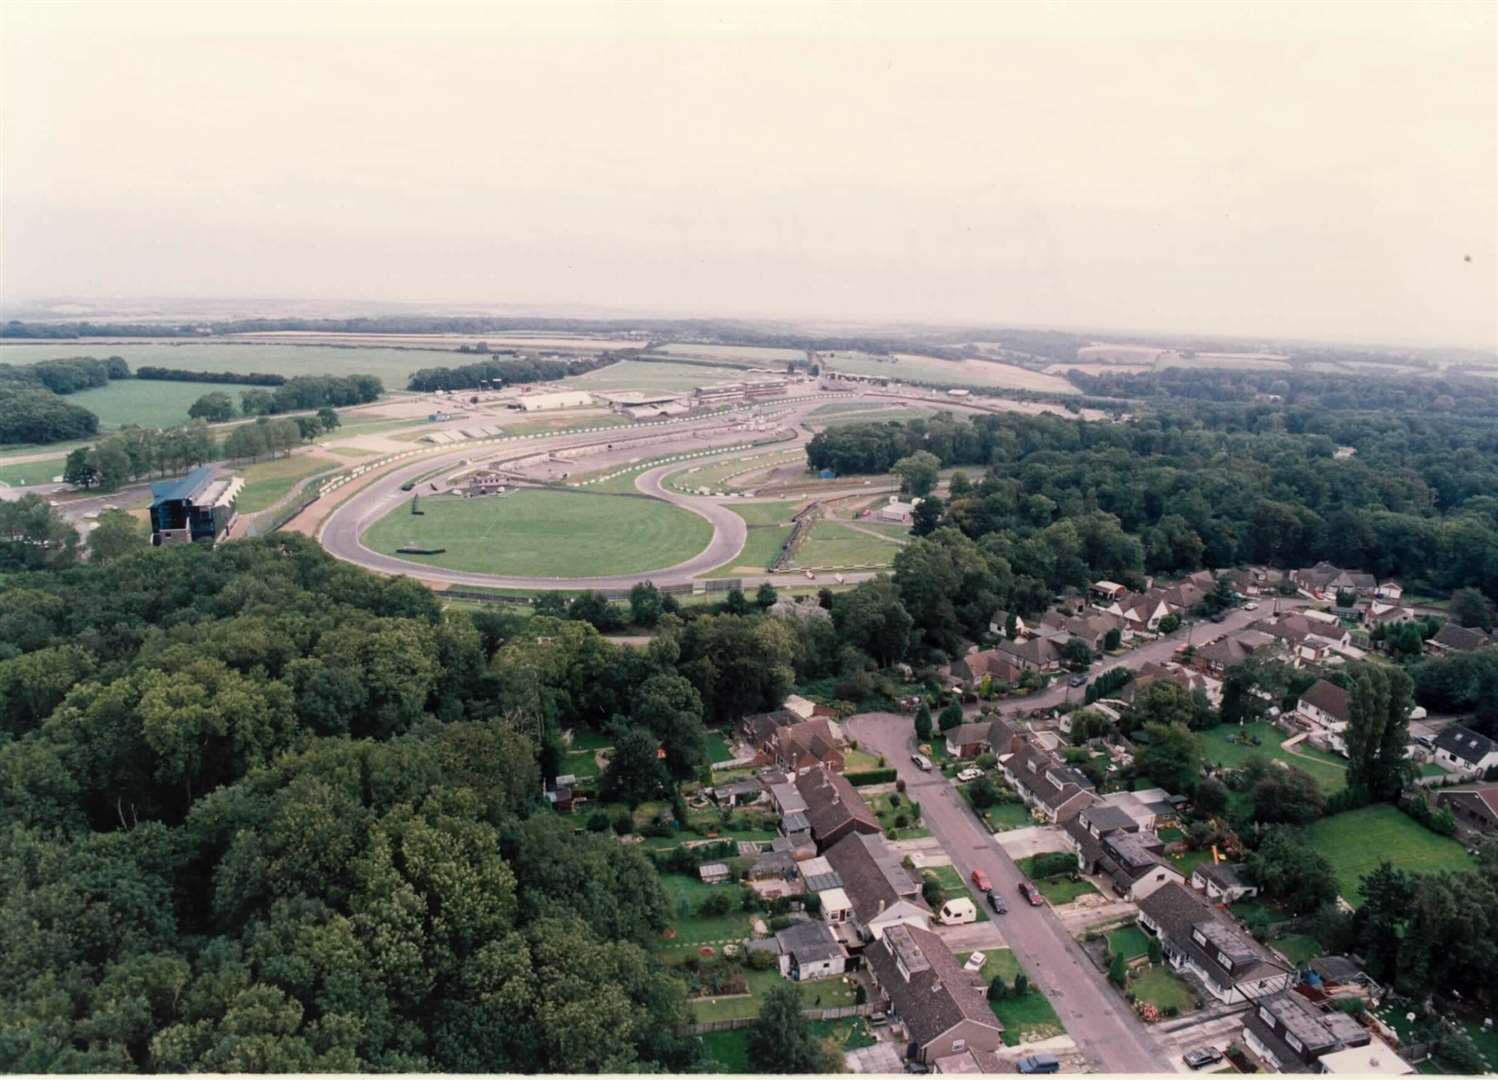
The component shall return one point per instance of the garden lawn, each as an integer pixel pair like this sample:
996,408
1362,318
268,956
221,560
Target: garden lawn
543,533
1160,988
1129,941
1356,841
1298,948
729,1049
952,884
1188,861
580,763
832,544
859,761
693,930
1030,1015
887,814
818,993
717,747
267,482
1059,889
588,739
1217,747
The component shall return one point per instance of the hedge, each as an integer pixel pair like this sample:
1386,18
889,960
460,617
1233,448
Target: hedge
870,776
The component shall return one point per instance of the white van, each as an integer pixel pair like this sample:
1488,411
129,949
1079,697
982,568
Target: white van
957,911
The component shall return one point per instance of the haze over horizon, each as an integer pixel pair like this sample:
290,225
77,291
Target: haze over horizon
1307,171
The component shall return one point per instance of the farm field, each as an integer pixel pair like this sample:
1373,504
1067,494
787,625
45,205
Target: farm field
266,482
146,402
758,355
939,372
506,340
831,544
645,375
392,366
544,534
1356,841
1217,748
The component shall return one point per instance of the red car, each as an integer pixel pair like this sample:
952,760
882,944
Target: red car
980,879
1031,894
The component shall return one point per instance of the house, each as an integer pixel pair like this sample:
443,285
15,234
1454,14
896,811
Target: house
1200,941
819,874
1451,638
997,666
810,950
1216,657
1152,809
798,705
881,891
1186,679
1328,708
1475,807
758,729
1324,578
805,745
833,807
1288,1033
1464,751
1141,612
1036,654
739,792
1223,883
198,508
787,799
1045,784
969,740
1092,629
1379,613
942,1007
774,865
1306,638
1107,592
1389,590
1109,842
998,623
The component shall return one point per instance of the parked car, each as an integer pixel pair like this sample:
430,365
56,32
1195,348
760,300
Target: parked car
922,762
1203,1055
996,902
1077,680
1252,605
1039,1063
1031,893
1425,741
969,773
1218,616
980,879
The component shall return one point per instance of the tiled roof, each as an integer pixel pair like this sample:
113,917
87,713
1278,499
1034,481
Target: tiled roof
1461,741
1177,911
871,873
1330,699
937,995
832,803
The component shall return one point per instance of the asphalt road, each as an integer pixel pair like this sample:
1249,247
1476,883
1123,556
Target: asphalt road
1104,1028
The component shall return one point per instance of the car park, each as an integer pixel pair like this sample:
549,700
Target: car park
1031,893
1203,1056
980,879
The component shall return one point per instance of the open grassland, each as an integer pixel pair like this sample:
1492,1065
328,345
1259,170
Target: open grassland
544,533
31,472
716,475
831,543
768,513
938,372
267,482
146,402
877,416
1356,841
645,375
1219,748
766,537
757,355
392,366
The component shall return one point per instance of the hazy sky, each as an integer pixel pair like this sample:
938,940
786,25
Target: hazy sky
1294,170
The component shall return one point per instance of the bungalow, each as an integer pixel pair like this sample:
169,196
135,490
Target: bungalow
1389,590
879,888
1451,638
1476,807
1324,578
1464,751
997,666
1223,883
1045,784
1037,654
833,807
1327,708
810,950
739,792
943,1007
1308,640
1092,629
1379,613
1288,1033
969,740
1199,940
1216,657
1109,842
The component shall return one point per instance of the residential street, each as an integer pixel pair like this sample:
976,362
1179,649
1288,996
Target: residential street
1097,1018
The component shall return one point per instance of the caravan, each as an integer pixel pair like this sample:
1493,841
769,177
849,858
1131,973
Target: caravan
957,911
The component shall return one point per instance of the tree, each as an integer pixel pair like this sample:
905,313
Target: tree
764,599
79,470
1287,796
215,407
328,418
950,717
1170,623
922,723
983,793
1118,970
1166,702
117,533
1172,757
998,990
1289,870
1077,654
1470,608
736,603
918,472
1113,639
671,709
1380,698
1211,796
926,516
871,618
780,1040
33,535
644,604
1346,598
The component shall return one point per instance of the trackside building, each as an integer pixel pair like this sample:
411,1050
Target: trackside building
198,508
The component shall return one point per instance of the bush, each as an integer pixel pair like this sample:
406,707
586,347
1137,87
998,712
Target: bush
871,776
1118,971
894,801
1021,985
1053,864
1156,953
598,821
779,922
997,989
983,793
758,960
716,903
901,821
624,823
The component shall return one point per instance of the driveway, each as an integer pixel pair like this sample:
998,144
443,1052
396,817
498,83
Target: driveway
1105,1030
1035,840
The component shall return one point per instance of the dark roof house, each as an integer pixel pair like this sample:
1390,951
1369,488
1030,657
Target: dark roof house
833,806
1200,940
942,1006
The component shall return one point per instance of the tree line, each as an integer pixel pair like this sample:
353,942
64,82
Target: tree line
252,378
496,372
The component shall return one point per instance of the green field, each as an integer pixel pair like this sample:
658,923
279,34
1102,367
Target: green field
1128,941
544,534
879,416
266,482
767,513
888,814
392,366
935,371
1329,770
1025,1018
756,355
146,402
31,472
831,543
712,474
1162,989
645,375
1357,841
